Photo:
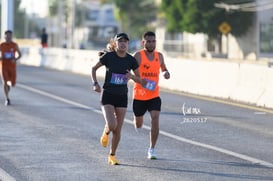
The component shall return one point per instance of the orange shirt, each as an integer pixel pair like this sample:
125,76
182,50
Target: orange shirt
8,51
7,63
149,70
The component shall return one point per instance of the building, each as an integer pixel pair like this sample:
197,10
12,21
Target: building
99,25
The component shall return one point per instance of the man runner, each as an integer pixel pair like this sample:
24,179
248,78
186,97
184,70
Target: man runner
147,98
10,53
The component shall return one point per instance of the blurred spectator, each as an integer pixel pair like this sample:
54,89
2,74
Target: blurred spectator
44,37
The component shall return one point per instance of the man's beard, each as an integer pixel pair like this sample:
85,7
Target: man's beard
150,50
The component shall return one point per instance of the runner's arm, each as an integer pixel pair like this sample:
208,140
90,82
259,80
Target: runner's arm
19,53
138,57
163,66
96,86
143,82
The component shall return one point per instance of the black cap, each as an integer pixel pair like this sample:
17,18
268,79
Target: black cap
121,35
8,31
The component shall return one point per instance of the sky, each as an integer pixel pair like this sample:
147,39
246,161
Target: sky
38,7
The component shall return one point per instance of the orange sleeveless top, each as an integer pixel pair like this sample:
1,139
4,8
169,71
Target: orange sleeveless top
149,70
8,52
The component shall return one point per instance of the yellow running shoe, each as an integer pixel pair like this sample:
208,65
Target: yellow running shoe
112,160
104,140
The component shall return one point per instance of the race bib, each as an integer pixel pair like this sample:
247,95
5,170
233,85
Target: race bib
8,55
119,79
150,85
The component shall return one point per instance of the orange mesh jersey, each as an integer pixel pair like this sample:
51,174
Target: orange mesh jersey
7,65
8,51
149,70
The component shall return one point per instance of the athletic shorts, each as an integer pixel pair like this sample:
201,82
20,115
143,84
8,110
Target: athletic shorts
8,73
115,100
141,106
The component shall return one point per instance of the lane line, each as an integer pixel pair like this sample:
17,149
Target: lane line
178,138
57,98
263,110
4,176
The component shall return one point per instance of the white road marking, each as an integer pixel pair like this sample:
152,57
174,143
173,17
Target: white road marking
259,112
57,98
218,149
178,138
4,176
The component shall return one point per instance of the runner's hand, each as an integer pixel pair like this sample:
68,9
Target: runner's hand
128,75
96,87
144,82
166,74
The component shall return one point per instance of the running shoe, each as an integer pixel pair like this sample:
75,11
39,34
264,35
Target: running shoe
151,154
7,102
112,160
9,83
104,140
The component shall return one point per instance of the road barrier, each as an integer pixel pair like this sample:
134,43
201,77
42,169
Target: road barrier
238,81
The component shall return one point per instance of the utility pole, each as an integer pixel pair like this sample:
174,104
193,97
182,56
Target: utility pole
7,16
62,36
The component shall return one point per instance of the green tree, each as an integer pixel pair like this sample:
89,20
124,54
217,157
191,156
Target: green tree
79,9
135,16
200,16
19,19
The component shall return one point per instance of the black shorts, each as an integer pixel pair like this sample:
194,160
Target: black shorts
115,100
140,106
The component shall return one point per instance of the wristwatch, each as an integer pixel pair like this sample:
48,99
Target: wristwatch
95,83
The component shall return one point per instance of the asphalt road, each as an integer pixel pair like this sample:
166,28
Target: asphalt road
52,129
